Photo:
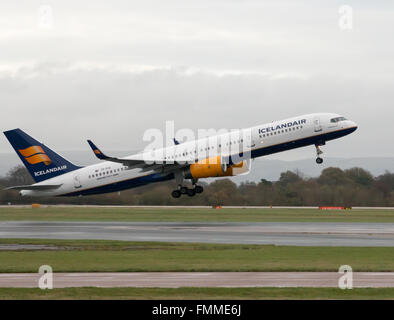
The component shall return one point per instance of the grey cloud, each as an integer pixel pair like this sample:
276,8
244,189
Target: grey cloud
110,70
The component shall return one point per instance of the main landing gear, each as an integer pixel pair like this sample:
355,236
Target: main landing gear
319,160
179,178
185,190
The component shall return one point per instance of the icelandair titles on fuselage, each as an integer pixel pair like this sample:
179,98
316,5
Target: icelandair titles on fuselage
282,126
40,173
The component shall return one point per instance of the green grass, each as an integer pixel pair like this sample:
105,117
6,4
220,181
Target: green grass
123,256
54,213
197,293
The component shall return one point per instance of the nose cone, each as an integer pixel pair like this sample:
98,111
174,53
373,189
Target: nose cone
353,126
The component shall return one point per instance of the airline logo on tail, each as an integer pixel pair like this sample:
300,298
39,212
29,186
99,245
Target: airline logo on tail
34,155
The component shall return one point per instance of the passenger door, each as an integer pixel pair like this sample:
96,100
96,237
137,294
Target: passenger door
77,182
317,124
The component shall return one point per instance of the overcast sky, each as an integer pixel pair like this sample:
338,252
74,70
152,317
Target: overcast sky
108,70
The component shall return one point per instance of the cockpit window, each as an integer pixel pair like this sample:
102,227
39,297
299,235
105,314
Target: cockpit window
337,119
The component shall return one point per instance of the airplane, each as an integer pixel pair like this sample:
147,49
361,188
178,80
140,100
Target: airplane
223,155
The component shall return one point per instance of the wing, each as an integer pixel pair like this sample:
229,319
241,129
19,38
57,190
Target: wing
142,160
102,156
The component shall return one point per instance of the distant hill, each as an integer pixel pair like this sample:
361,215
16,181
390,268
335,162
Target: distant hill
262,168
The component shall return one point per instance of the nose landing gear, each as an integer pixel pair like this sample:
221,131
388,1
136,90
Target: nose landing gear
319,160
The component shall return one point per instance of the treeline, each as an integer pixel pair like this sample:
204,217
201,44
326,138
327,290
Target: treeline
334,187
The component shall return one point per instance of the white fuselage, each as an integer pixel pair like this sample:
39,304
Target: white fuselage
263,139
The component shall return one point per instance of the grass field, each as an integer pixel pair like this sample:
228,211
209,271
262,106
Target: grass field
123,256
54,213
196,293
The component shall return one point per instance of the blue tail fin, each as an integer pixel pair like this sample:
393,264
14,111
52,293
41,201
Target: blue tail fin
42,162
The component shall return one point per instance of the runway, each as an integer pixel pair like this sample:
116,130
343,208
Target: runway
199,279
277,233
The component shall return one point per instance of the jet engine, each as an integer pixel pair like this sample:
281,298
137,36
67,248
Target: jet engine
215,167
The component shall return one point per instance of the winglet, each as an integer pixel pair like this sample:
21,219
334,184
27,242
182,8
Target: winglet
97,151
176,141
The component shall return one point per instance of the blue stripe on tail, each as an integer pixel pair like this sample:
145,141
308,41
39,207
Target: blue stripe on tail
41,162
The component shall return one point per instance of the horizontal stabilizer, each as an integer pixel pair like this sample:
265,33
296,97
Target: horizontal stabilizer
41,187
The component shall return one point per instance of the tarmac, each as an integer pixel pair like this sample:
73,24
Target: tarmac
275,233
199,279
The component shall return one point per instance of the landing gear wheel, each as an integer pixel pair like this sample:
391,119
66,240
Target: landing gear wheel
191,192
319,152
176,194
198,189
183,190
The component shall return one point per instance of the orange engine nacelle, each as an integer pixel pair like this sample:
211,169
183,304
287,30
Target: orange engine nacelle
212,167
